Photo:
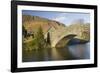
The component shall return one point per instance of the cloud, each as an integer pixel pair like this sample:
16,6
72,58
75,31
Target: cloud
61,17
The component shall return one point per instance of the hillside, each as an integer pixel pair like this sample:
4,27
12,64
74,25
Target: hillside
32,23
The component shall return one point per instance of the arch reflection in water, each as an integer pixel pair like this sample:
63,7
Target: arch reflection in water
80,51
73,52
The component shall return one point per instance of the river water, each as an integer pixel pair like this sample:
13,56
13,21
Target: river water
73,52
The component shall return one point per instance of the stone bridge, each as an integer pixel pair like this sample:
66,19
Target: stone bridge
61,36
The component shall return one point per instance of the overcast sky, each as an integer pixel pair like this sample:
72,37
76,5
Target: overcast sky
64,17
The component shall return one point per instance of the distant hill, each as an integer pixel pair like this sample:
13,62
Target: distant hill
31,23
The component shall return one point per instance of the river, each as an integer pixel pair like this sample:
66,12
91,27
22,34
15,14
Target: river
73,52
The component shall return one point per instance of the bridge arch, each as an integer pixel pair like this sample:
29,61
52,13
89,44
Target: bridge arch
63,40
